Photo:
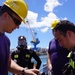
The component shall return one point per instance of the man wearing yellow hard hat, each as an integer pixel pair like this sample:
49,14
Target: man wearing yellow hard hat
64,33
12,13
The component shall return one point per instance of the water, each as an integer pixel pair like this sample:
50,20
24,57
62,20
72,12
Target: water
43,59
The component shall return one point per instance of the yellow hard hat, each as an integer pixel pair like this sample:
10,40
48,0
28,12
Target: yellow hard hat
19,7
54,23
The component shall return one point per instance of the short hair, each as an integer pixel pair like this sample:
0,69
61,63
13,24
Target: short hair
0,7
5,8
63,26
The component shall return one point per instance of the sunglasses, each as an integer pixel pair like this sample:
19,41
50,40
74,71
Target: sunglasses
16,21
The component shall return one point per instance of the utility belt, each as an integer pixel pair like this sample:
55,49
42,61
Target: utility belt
69,68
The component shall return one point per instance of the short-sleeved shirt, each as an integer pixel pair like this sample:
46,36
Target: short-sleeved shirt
58,56
4,54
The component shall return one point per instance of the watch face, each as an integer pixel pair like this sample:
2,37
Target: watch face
23,72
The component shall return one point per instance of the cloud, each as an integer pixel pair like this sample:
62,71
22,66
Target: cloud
49,19
44,29
45,21
29,47
65,18
50,5
32,19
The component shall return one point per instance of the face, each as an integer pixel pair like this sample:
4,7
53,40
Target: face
12,22
22,42
64,41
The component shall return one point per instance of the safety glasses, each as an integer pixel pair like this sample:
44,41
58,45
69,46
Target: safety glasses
16,21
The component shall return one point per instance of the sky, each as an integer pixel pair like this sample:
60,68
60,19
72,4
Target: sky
41,13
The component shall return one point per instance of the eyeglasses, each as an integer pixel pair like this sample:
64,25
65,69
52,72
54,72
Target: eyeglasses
16,21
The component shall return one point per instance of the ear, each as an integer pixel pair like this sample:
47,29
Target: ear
69,34
5,16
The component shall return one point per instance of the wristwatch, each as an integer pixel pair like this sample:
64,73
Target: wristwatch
23,71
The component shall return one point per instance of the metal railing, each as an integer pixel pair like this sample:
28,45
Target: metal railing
45,69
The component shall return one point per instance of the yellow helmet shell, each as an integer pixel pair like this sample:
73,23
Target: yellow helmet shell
19,7
54,23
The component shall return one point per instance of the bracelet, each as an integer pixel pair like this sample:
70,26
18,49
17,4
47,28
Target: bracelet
23,71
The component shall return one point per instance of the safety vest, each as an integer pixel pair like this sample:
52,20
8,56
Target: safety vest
71,62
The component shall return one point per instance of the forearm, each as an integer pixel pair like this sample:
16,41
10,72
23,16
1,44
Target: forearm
14,68
49,62
48,58
38,64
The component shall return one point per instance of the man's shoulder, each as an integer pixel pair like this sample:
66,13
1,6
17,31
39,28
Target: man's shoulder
16,51
31,50
53,42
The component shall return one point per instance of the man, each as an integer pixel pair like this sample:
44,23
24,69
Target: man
23,56
10,18
64,32
57,57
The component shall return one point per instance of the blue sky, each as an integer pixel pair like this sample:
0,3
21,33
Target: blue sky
41,13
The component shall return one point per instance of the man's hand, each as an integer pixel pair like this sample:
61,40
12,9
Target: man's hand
32,72
50,67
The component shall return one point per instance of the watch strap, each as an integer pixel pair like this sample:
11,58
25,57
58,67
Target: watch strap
23,71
